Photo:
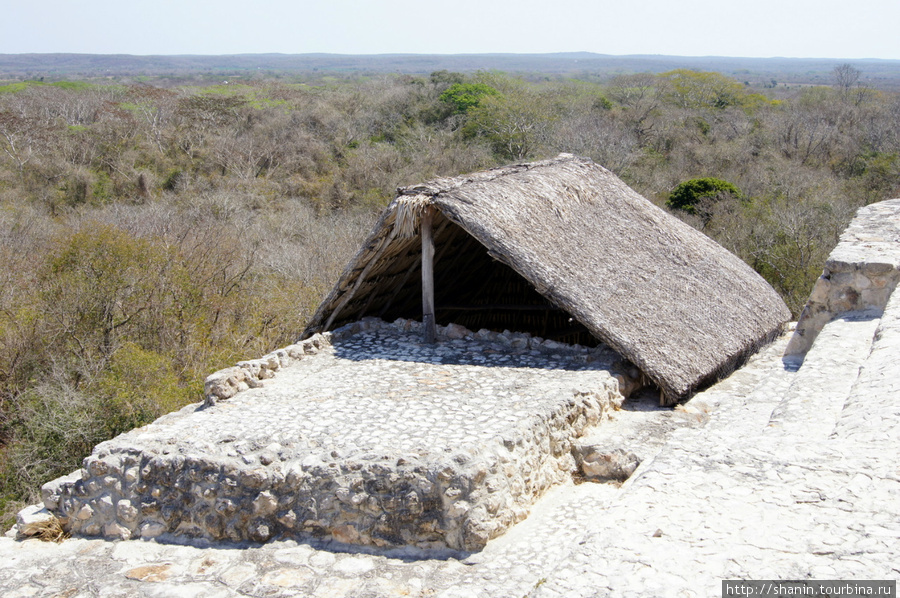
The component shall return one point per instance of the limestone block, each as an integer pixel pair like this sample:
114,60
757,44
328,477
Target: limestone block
295,351
96,467
111,482
348,330
878,269
52,491
288,519
224,384
131,474
260,530
104,506
820,291
606,464
455,331
861,282
126,511
346,534
151,530
272,361
265,504
32,520
251,367
319,341
284,359
116,531
518,342
844,278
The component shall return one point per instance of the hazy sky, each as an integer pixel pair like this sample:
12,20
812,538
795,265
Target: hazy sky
761,28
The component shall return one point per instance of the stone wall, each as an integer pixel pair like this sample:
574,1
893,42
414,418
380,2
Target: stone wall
859,275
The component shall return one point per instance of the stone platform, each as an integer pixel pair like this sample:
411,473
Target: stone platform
365,436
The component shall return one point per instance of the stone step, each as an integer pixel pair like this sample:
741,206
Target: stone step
613,450
872,411
740,406
638,432
812,405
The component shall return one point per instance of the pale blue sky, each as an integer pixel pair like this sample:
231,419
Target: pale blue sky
761,28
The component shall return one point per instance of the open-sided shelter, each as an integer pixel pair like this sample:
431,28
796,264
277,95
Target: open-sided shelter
562,249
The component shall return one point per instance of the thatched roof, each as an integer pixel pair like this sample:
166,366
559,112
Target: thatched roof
564,249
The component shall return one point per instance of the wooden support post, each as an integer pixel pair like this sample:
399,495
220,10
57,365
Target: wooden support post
410,270
428,275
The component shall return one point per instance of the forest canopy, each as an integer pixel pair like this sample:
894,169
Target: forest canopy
151,235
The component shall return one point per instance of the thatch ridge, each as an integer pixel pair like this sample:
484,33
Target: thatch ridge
663,295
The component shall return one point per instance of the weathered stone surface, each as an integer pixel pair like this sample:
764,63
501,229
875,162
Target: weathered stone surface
633,434
859,276
224,384
871,413
602,464
32,520
843,346
716,499
379,439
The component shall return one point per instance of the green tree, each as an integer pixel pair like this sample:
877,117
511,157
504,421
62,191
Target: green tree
137,387
465,96
518,120
698,89
696,195
444,78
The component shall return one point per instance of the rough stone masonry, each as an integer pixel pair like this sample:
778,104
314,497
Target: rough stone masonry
365,436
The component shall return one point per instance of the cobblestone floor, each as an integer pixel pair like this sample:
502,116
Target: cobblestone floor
400,395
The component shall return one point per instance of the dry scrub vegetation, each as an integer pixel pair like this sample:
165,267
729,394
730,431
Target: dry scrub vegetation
151,235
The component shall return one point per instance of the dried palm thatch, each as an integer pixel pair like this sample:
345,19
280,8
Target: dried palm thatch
564,249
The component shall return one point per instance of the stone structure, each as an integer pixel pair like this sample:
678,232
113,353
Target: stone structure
722,492
470,430
365,436
859,275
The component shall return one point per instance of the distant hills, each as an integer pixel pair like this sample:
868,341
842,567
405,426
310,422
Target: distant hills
883,74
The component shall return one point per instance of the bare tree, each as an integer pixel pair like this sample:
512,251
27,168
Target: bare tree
845,77
639,95
22,138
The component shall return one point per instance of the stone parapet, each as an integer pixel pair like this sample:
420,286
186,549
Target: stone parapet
859,276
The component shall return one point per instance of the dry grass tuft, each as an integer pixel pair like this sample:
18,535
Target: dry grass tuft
49,530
